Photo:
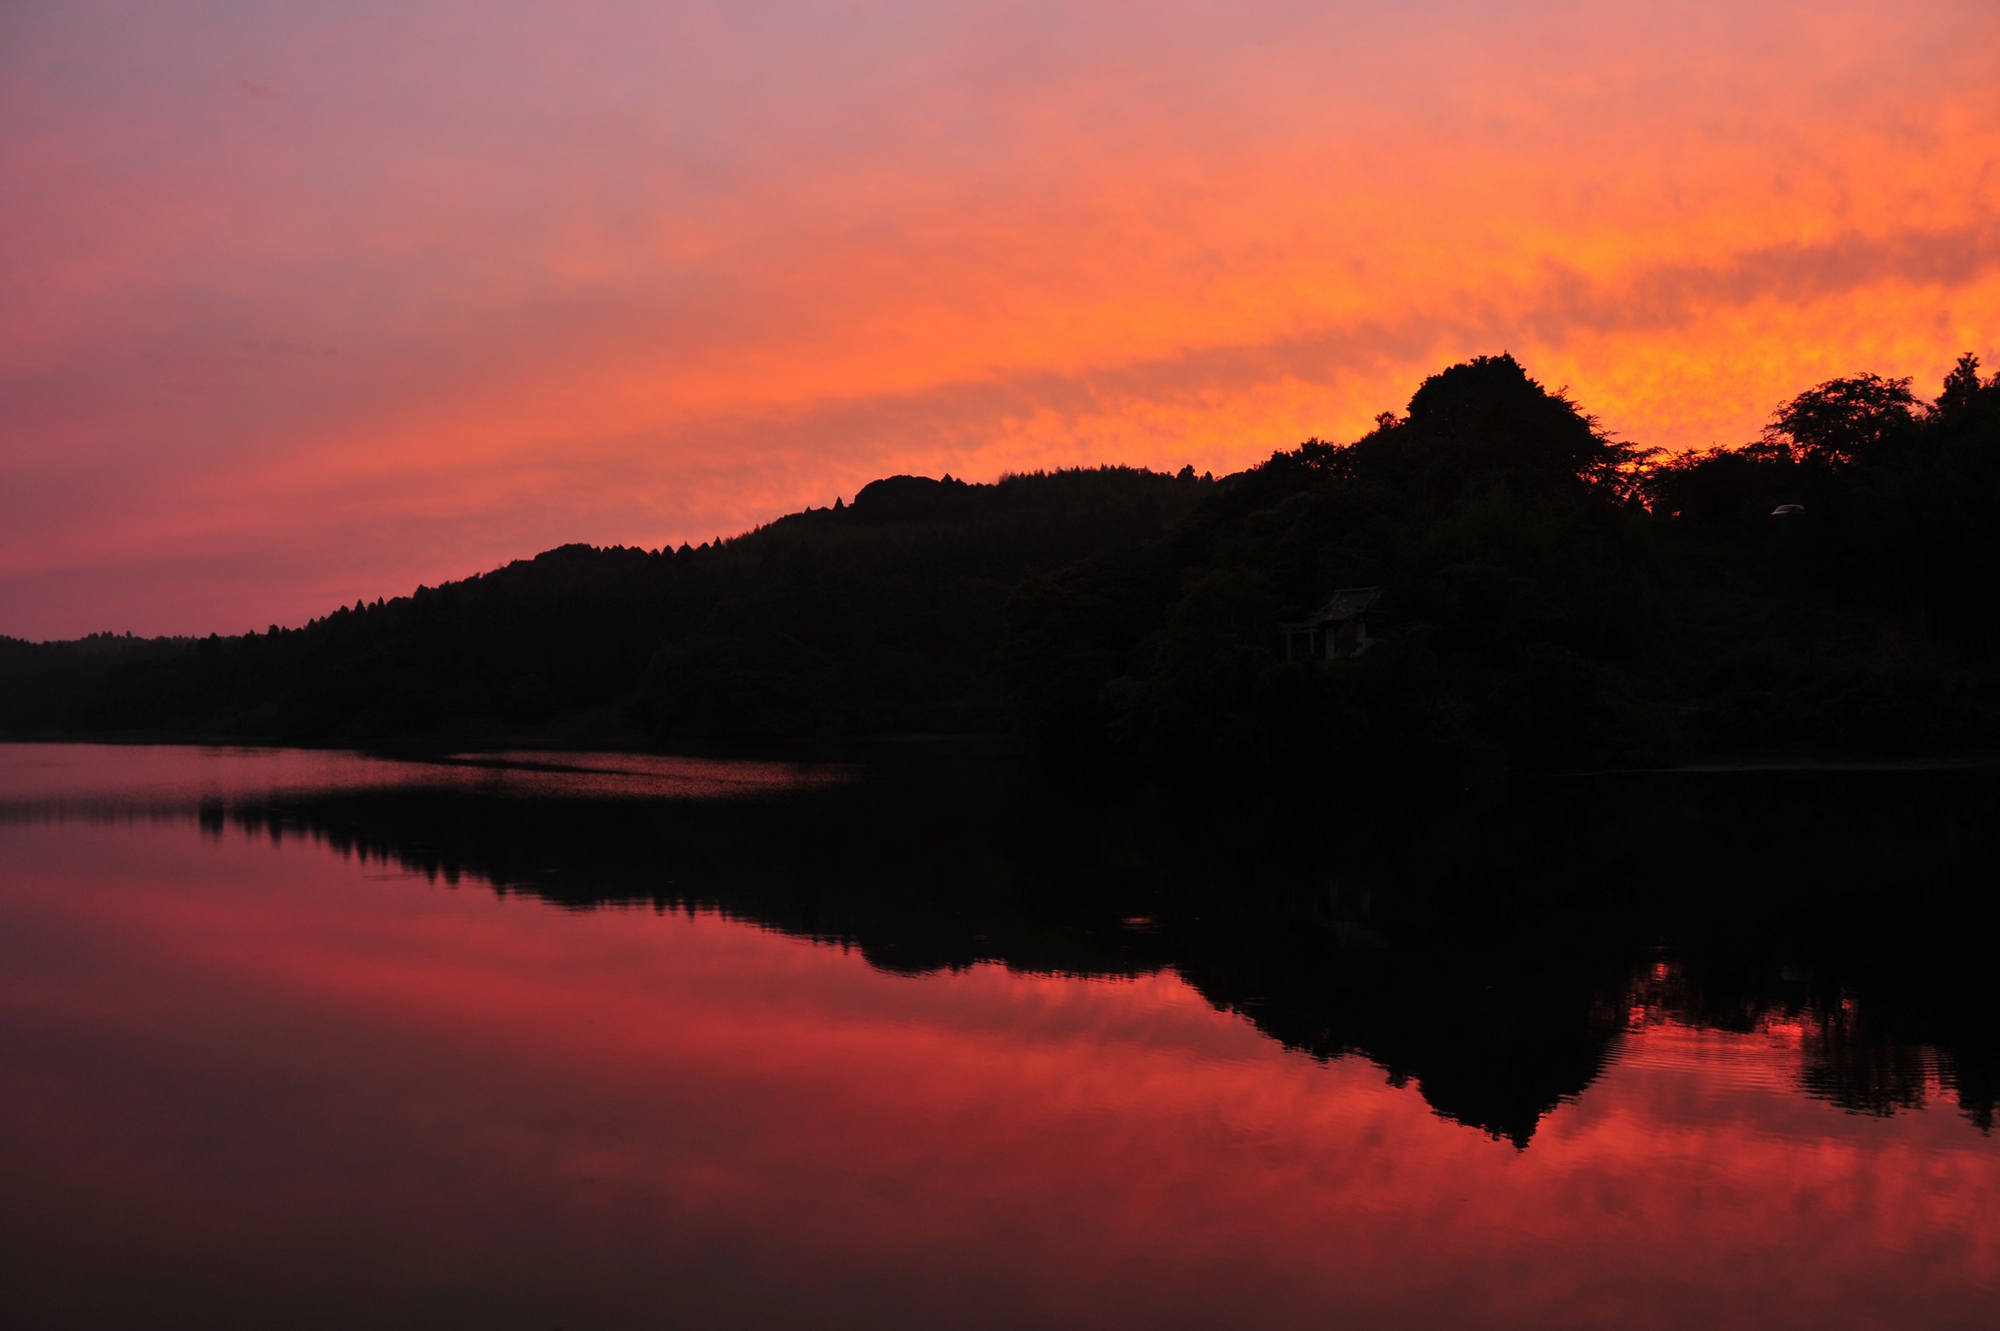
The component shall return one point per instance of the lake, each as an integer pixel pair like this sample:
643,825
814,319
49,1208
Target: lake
582,1041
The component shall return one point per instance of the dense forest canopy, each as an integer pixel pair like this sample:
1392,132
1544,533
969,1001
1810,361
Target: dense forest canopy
1550,597
1556,597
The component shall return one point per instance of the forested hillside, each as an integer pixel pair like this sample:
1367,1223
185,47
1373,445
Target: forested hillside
1554,597
868,617
1549,597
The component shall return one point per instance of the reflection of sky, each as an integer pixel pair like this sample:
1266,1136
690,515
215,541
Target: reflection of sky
246,1077
58,780
301,302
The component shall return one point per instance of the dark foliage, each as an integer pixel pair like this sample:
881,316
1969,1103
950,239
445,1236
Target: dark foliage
1552,598
872,616
1519,572
1860,620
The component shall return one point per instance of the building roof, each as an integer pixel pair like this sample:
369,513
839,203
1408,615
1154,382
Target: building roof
1345,604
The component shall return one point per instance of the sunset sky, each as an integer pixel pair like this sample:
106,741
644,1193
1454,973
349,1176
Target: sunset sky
303,302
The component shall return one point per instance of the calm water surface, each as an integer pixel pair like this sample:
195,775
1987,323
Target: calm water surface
274,1051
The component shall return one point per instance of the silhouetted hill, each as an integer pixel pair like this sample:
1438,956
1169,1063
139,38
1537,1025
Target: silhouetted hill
875,616
1543,596
1549,597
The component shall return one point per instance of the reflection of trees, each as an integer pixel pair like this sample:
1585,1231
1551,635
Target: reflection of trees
1853,1053
1490,953
1494,1036
1845,1066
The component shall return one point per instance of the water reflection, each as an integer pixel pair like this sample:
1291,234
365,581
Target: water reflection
1495,956
932,1044
99,780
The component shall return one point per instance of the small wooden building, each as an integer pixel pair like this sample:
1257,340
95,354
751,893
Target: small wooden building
1337,629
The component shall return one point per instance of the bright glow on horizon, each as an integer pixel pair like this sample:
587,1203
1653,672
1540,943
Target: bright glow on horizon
305,302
